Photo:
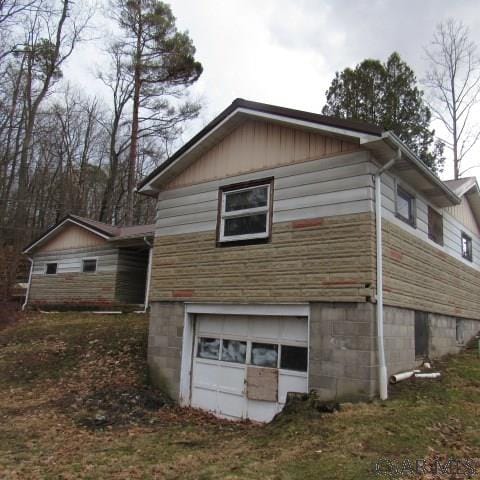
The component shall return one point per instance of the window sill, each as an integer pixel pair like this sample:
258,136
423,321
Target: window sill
413,223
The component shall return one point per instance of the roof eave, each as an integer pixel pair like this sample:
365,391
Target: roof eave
151,186
40,240
442,195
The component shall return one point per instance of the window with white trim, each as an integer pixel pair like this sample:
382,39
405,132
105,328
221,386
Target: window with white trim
245,212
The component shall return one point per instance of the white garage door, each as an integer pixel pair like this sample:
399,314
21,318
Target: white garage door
243,366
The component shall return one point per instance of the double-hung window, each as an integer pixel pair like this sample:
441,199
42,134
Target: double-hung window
245,212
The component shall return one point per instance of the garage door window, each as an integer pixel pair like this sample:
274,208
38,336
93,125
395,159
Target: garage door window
208,348
264,355
294,358
234,351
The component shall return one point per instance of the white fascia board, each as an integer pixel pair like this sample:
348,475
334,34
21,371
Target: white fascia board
361,137
49,234
285,310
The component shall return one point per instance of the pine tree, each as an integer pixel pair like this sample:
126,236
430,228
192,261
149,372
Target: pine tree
162,63
387,95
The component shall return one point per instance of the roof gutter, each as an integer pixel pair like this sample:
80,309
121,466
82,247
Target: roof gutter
28,285
397,145
382,366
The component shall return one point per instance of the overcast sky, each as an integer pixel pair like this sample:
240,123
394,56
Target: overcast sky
286,52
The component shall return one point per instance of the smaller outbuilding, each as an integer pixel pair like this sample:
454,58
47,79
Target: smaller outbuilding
90,265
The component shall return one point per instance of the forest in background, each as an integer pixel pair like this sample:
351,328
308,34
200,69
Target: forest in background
64,150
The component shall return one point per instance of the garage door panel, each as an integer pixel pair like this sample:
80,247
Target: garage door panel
220,384
205,373
205,399
290,383
262,411
210,324
296,331
231,405
231,378
265,328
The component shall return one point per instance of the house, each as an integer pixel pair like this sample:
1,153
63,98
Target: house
83,263
265,273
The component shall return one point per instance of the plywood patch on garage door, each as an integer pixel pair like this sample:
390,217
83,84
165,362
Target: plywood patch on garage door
262,384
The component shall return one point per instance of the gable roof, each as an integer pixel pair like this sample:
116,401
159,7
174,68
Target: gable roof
468,187
103,230
372,137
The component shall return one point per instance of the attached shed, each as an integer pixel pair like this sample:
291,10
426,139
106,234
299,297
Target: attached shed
87,264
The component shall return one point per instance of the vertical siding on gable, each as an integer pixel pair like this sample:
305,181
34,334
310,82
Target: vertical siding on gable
463,213
258,145
71,236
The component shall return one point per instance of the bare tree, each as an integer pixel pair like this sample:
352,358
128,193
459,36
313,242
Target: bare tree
453,80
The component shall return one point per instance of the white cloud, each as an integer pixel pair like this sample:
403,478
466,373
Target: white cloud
287,51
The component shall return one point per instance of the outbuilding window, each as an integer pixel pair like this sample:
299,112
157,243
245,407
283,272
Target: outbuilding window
435,226
405,206
245,212
51,269
467,250
89,265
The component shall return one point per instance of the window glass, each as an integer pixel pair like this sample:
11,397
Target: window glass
208,348
467,247
435,226
405,206
264,354
51,268
250,224
244,199
89,265
294,358
234,351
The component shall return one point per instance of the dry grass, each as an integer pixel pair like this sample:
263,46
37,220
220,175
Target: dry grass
75,404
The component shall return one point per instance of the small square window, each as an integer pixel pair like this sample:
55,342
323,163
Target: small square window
435,226
89,265
459,331
264,355
294,358
405,206
467,250
208,348
245,212
51,269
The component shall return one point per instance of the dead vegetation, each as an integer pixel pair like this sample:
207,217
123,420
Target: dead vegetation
75,402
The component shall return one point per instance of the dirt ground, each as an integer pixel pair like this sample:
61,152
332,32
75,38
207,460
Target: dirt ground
75,403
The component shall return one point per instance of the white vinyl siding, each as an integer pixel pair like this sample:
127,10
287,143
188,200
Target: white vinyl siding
321,188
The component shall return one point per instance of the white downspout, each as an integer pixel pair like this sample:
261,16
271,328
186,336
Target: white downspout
149,272
28,285
382,365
